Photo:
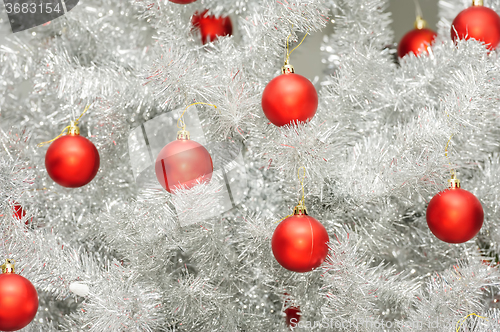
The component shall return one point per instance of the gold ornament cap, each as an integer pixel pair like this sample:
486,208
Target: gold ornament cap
420,23
8,267
300,209
477,2
183,134
454,182
73,129
287,69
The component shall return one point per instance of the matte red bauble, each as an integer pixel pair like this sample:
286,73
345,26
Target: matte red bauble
289,98
18,299
72,161
182,2
416,41
182,164
455,215
212,27
300,243
478,22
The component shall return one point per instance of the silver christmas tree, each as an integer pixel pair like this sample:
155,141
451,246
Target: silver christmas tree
123,254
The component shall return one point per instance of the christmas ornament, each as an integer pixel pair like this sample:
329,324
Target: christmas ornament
79,289
182,2
292,312
18,299
454,215
183,163
477,22
289,98
19,213
211,27
417,40
71,160
292,316
495,302
300,242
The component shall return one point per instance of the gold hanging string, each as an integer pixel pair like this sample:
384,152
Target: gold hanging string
302,182
287,47
418,10
446,154
301,179
461,321
181,120
65,129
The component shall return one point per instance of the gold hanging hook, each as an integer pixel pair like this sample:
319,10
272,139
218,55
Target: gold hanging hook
301,207
288,68
183,133
72,129
8,266
420,23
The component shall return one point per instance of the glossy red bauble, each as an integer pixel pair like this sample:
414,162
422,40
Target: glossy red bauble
72,161
212,27
300,243
18,302
292,316
455,215
182,2
182,164
478,22
19,213
416,41
289,98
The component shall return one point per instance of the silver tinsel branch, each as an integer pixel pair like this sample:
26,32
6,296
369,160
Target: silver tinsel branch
122,254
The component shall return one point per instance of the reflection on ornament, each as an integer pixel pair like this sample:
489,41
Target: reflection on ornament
146,141
183,163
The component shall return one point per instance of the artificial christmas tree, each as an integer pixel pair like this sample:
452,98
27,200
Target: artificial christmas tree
117,255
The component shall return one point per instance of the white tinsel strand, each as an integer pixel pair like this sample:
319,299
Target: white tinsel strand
454,293
350,272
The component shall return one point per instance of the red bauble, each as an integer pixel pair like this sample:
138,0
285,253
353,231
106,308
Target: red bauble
292,316
212,27
18,212
416,41
289,98
455,215
182,163
72,161
182,2
300,243
478,22
18,302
